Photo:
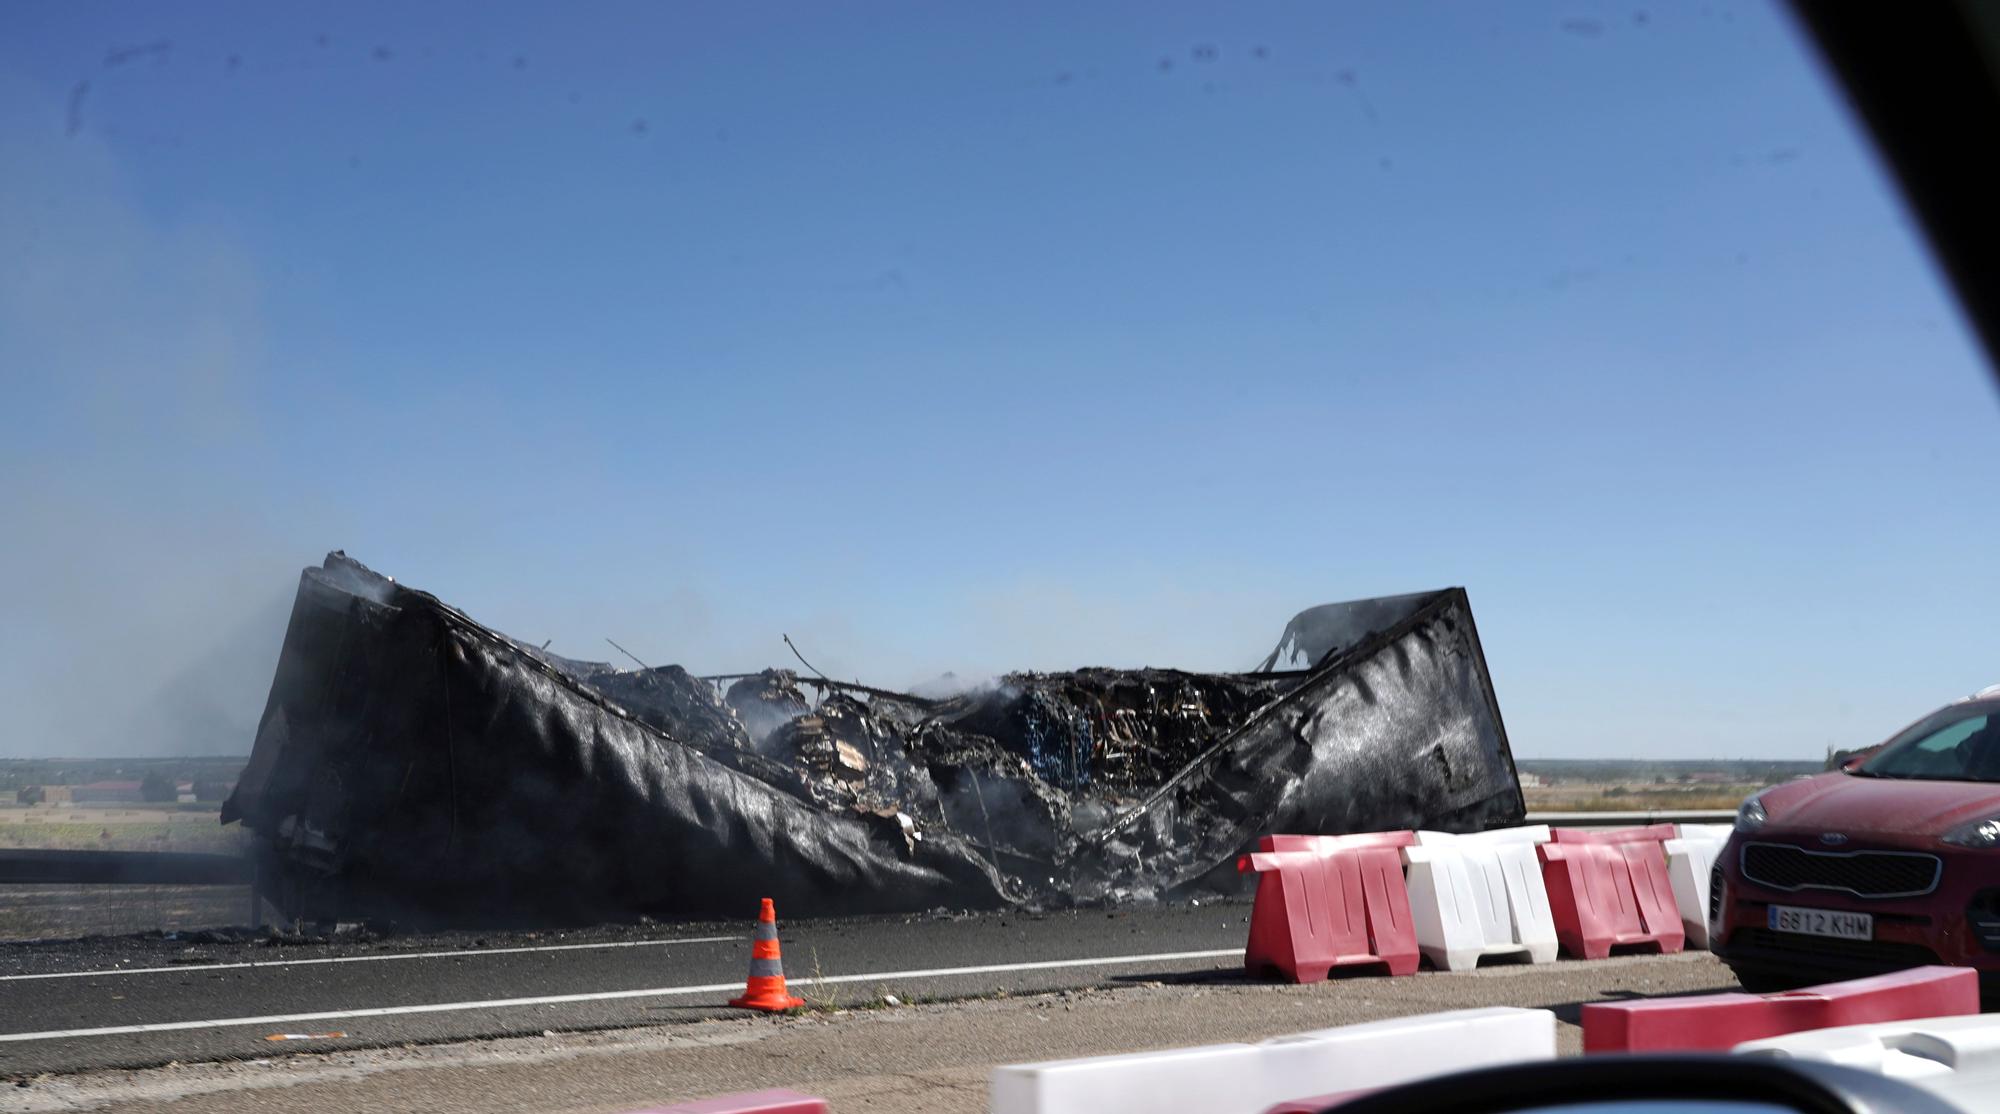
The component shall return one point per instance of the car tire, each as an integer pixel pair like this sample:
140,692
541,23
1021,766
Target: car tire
1760,981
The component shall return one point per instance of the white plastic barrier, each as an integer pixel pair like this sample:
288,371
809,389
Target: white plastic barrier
1530,834
1956,1058
1901,1049
1716,832
1689,861
1212,1079
1249,1078
1385,1053
1972,1091
1479,895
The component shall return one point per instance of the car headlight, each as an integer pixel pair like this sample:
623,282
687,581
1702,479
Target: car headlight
1750,815
1977,834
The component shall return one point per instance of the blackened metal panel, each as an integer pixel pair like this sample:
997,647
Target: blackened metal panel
1399,730
339,611
1322,632
452,772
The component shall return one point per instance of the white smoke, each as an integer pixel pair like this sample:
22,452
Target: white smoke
145,596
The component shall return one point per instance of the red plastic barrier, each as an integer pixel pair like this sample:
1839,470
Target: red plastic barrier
1330,901
1359,841
1611,889
748,1102
1720,1021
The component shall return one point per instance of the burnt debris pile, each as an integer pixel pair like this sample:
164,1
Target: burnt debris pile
415,764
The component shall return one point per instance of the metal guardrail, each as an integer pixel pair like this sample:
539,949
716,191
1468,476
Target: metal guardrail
1635,819
40,867
176,868
35,867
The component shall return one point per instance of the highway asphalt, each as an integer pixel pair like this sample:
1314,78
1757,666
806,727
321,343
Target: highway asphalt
147,1001
921,1059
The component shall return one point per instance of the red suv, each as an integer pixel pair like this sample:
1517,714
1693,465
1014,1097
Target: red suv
1891,861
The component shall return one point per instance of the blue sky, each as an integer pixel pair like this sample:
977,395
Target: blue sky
958,338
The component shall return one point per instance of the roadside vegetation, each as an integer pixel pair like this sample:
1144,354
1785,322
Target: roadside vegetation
1612,785
133,828
1618,798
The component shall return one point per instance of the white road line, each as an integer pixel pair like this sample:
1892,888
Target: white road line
604,996
367,958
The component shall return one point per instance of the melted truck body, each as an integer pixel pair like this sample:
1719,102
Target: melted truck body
414,764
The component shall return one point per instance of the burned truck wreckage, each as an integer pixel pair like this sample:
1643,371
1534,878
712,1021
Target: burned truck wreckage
413,764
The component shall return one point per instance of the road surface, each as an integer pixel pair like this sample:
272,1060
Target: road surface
136,1003
922,1059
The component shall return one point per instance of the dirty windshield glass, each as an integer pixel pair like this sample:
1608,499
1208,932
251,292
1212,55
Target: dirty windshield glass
513,518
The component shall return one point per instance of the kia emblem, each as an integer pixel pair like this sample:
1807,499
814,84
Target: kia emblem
1832,839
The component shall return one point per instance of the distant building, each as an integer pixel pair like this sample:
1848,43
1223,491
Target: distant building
1532,781
108,792
54,794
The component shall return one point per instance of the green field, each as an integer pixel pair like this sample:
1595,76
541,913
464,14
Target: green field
117,829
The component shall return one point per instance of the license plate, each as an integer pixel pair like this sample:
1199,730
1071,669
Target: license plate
1822,922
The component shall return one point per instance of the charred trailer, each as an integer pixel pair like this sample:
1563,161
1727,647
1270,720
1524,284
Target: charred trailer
412,764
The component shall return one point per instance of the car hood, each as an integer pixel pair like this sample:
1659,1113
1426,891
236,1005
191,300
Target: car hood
1838,802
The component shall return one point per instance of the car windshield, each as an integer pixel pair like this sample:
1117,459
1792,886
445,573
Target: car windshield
1956,744
522,518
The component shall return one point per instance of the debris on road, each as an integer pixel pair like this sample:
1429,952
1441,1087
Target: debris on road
413,764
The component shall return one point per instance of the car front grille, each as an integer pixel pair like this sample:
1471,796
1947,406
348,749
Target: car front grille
1781,866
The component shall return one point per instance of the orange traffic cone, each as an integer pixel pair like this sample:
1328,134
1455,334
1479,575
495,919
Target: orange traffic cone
766,988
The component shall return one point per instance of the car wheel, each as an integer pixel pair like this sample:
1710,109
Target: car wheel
1758,981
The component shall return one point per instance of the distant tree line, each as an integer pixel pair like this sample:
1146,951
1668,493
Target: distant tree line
1738,770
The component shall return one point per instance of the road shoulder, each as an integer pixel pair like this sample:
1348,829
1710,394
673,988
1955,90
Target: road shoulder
929,1057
